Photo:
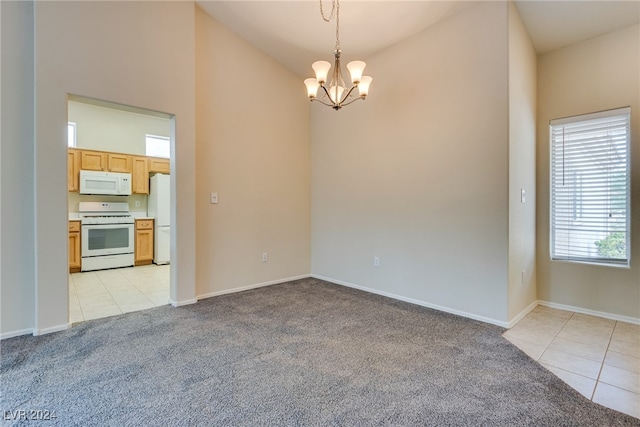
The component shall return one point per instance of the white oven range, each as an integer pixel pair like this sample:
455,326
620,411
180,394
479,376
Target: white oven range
107,235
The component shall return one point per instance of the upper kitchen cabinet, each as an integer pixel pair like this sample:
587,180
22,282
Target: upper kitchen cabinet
117,138
73,169
103,161
94,160
119,163
159,165
140,175
138,166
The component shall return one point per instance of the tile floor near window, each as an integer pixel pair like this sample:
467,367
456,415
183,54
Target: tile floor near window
598,357
103,293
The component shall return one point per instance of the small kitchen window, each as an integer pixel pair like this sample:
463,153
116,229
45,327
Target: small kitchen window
158,146
71,134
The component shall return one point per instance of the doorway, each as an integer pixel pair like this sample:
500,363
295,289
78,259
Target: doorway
111,138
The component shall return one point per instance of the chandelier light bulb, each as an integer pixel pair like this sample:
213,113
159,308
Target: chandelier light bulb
355,69
322,70
312,87
363,86
335,93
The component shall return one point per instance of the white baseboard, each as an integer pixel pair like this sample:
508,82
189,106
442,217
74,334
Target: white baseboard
248,287
415,301
509,324
521,315
181,303
16,333
617,317
52,329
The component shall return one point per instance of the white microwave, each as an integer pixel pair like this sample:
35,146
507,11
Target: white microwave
109,183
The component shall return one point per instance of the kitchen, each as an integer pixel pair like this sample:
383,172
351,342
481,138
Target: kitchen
119,208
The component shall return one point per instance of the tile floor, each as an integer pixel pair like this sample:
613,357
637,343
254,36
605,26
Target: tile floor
104,293
598,357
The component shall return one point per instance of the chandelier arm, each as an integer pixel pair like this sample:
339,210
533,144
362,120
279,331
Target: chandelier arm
352,101
323,103
349,93
327,93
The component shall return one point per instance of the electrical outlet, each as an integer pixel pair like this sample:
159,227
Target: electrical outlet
265,257
137,203
376,261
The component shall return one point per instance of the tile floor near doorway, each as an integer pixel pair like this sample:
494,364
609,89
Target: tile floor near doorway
104,293
598,357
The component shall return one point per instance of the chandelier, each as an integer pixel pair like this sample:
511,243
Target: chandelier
336,94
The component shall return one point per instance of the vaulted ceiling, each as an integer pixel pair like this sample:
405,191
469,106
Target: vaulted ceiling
294,33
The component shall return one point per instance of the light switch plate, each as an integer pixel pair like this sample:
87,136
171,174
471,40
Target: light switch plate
214,198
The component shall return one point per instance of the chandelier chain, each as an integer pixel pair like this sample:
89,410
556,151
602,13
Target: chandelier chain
335,11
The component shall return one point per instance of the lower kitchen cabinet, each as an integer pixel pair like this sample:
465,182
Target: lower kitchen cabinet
75,259
144,242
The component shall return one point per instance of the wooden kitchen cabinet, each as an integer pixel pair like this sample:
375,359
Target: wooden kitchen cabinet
138,166
73,169
159,165
75,258
140,176
119,162
93,160
144,242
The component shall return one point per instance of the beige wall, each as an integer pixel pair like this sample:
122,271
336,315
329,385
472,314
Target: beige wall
253,150
522,167
104,50
17,262
425,174
418,173
598,74
111,129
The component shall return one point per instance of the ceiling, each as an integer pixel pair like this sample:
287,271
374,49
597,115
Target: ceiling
294,33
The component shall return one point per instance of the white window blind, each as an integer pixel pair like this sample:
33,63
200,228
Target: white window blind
590,182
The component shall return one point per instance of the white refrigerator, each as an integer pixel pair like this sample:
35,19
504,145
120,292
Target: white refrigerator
159,207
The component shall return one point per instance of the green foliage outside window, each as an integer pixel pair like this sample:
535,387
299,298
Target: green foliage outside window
613,246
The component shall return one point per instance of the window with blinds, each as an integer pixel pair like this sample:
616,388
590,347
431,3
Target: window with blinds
590,180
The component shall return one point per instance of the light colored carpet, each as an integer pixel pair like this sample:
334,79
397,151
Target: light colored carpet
303,353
